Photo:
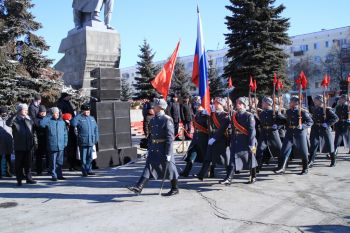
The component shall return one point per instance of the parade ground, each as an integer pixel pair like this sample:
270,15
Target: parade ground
317,202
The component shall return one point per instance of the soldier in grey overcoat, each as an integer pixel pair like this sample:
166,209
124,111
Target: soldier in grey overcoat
342,127
160,151
296,136
218,140
198,147
242,141
321,135
269,137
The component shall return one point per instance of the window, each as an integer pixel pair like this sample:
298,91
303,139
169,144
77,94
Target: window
326,44
304,47
316,45
317,85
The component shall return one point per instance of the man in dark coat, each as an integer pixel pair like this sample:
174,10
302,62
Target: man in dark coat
6,142
217,144
269,137
342,127
41,150
173,111
243,142
198,147
34,107
24,138
66,106
186,116
88,136
296,136
160,151
321,130
56,140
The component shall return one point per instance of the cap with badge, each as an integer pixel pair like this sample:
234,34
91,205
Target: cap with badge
85,107
319,98
221,101
295,98
268,100
244,100
160,103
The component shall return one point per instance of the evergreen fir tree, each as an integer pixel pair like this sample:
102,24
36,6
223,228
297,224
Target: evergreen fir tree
216,86
146,71
24,70
126,92
256,35
180,83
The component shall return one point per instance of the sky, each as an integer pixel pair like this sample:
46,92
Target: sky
163,22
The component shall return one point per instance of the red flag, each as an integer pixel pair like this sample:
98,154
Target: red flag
255,86
251,84
274,79
279,85
230,85
326,80
349,79
302,80
163,79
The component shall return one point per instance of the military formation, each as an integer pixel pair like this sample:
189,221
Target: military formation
242,137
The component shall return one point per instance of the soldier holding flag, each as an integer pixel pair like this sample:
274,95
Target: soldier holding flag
321,130
242,143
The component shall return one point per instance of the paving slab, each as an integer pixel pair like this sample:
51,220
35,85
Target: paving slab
317,202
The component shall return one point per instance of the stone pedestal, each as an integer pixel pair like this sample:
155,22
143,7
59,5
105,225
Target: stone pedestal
85,49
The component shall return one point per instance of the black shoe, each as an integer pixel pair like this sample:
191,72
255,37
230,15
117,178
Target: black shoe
135,189
9,175
280,170
91,173
237,172
53,179
198,177
19,183
304,172
31,182
84,175
226,182
61,178
333,163
311,164
172,192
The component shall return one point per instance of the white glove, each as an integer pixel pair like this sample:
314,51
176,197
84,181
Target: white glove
67,121
168,158
300,127
211,141
274,127
325,125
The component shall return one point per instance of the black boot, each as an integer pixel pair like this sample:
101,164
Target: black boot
311,161
229,175
333,159
281,168
203,171
212,172
137,189
253,178
187,170
174,189
305,167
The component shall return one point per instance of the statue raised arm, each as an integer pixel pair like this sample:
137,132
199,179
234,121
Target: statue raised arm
85,10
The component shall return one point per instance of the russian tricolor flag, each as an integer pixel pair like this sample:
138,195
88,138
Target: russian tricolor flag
200,67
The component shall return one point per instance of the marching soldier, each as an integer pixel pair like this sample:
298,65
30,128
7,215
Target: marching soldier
323,119
160,151
269,136
217,144
296,136
198,147
242,143
342,127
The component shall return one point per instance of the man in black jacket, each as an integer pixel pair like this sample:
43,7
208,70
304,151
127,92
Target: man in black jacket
174,112
34,107
24,138
41,135
186,116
